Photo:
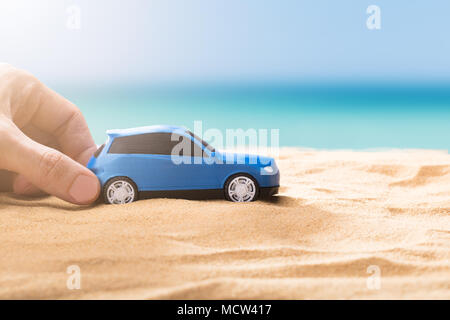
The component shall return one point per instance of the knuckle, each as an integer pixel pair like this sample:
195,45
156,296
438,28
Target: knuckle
13,73
18,84
50,167
28,83
76,113
24,76
20,78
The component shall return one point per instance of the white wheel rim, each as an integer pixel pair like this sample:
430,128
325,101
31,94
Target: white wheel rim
120,192
242,189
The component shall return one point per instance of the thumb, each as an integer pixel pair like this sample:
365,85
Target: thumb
53,171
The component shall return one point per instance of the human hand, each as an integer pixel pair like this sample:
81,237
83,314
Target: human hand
45,142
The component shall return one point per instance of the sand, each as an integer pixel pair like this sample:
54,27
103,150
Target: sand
340,216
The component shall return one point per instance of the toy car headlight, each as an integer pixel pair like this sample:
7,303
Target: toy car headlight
268,169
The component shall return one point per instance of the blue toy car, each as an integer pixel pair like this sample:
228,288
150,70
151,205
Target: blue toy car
172,162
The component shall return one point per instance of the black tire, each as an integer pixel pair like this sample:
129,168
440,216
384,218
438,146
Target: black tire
230,179
116,179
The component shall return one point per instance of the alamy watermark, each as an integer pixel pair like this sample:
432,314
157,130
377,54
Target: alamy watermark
193,148
74,279
373,282
73,21
374,20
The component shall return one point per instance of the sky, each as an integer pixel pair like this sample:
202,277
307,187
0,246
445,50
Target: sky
140,41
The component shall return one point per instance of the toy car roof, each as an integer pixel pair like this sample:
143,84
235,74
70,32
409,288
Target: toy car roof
142,130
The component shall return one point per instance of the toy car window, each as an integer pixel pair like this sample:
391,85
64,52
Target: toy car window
205,144
190,150
149,143
152,143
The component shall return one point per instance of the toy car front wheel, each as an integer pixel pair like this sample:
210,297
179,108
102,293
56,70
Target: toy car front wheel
241,188
120,190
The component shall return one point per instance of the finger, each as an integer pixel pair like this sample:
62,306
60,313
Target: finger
63,120
22,186
40,136
53,114
52,171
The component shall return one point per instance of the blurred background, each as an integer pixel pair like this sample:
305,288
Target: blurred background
312,69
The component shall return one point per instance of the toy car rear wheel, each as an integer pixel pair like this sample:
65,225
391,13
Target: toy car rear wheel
120,190
241,188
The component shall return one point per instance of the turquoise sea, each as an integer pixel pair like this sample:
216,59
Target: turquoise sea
316,116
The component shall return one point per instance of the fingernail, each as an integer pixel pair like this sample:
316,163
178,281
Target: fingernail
84,189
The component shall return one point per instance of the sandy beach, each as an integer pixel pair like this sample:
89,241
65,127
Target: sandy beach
339,216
